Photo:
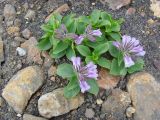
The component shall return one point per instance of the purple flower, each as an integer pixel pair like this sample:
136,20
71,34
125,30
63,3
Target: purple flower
61,33
130,47
84,73
91,34
79,39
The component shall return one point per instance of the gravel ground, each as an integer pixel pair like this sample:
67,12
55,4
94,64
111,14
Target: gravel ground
134,25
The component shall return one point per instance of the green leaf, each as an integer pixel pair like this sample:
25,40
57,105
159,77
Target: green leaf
44,44
72,27
120,58
95,16
115,27
61,46
137,66
65,70
94,86
83,50
67,20
116,69
88,59
100,49
113,50
115,36
72,89
47,28
84,19
104,23
58,55
106,16
103,62
96,43
80,27
70,53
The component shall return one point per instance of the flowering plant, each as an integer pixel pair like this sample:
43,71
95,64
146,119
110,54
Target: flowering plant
88,42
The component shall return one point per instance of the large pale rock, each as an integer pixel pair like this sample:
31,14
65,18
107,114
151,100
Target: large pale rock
116,104
155,7
21,87
1,50
60,9
32,117
145,96
54,103
33,53
116,4
106,80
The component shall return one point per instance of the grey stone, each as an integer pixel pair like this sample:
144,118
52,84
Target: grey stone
32,117
54,103
116,104
30,15
21,51
145,95
89,113
22,86
26,33
9,12
1,50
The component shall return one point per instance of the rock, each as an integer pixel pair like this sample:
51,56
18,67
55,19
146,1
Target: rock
19,115
9,12
131,11
157,64
155,7
48,61
22,86
54,103
60,9
116,4
52,71
33,53
1,51
107,81
21,51
17,22
130,111
99,101
1,101
32,117
26,33
116,105
89,113
19,39
13,30
145,96
30,15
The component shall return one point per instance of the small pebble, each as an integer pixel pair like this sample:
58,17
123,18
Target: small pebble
130,111
131,11
30,15
93,4
26,33
99,101
21,51
19,115
89,113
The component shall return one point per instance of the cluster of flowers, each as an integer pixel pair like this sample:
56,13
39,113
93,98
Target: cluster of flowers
130,47
90,34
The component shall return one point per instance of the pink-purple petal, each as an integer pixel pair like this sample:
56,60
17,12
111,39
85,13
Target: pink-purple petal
76,62
79,39
84,86
96,33
128,61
